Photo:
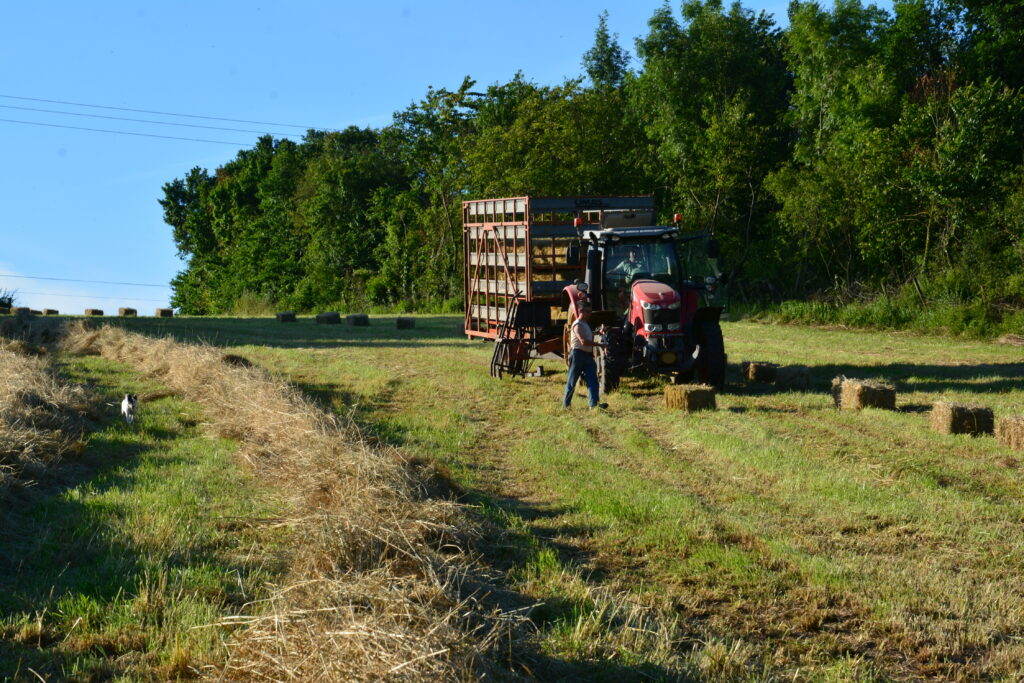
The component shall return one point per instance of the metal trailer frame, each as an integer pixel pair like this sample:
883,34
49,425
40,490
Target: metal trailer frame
511,248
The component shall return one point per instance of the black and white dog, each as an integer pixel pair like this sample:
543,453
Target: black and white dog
129,404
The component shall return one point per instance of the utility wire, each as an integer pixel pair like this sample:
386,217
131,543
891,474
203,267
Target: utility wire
90,296
162,113
94,282
124,132
124,118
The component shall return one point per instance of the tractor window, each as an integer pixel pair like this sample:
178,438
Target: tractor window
626,262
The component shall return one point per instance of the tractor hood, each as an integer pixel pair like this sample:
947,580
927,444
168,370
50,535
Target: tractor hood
654,292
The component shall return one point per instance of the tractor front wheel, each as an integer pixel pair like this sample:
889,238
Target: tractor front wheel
607,373
711,358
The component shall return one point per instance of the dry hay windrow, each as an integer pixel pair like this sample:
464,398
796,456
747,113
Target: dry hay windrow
374,586
42,417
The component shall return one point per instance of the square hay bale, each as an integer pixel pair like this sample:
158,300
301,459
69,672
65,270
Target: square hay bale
793,377
405,323
959,418
20,310
1010,432
51,311
689,397
358,320
856,394
758,371
127,312
165,312
35,312
94,311
328,318
286,317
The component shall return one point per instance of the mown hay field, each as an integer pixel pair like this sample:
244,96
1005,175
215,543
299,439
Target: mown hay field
773,538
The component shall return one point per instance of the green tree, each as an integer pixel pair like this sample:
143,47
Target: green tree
606,63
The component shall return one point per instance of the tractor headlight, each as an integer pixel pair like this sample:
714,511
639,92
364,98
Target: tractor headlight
648,306
652,328
672,327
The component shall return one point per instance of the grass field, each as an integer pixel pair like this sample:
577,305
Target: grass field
773,539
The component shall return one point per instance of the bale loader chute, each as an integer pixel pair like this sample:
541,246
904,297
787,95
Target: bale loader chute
657,294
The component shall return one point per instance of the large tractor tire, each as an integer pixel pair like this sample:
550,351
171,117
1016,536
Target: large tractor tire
711,358
607,373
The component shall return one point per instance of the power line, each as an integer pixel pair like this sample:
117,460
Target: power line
93,282
125,118
123,132
90,296
162,113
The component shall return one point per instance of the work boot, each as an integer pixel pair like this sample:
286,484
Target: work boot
599,406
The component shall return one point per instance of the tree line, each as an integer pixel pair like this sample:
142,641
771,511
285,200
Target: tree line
857,153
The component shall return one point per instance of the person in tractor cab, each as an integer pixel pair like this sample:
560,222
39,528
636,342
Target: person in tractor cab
581,359
630,266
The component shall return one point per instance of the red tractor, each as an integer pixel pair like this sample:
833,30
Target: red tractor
657,294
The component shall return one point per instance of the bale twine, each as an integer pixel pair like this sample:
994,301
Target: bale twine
959,418
856,394
793,377
94,311
165,312
286,317
1010,432
405,323
358,320
689,397
51,311
758,371
127,312
328,318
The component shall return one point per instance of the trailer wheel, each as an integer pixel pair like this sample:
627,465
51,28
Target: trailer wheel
607,374
711,358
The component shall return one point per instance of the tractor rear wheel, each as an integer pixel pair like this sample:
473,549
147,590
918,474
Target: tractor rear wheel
711,358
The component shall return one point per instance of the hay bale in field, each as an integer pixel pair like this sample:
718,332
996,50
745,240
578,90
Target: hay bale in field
959,418
1011,339
127,312
35,312
286,317
1010,432
94,311
21,310
793,377
405,323
358,320
856,394
165,312
328,318
51,311
758,371
689,397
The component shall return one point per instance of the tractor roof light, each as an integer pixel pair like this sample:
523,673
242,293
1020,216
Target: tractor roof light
677,218
577,222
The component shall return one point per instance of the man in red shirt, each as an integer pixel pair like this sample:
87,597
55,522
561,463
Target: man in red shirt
581,358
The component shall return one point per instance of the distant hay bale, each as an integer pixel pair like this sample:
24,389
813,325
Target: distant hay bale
405,323
689,397
286,317
165,312
4,310
127,312
959,418
358,320
328,318
51,311
35,312
21,310
758,371
94,311
1010,432
793,377
1011,339
856,394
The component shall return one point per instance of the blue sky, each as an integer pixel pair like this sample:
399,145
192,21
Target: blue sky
82,205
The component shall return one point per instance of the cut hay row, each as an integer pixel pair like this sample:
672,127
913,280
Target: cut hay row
42,417
373,591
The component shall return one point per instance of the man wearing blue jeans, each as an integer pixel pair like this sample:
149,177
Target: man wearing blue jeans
581,358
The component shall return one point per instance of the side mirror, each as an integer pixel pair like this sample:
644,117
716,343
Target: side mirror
714,249
572,254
